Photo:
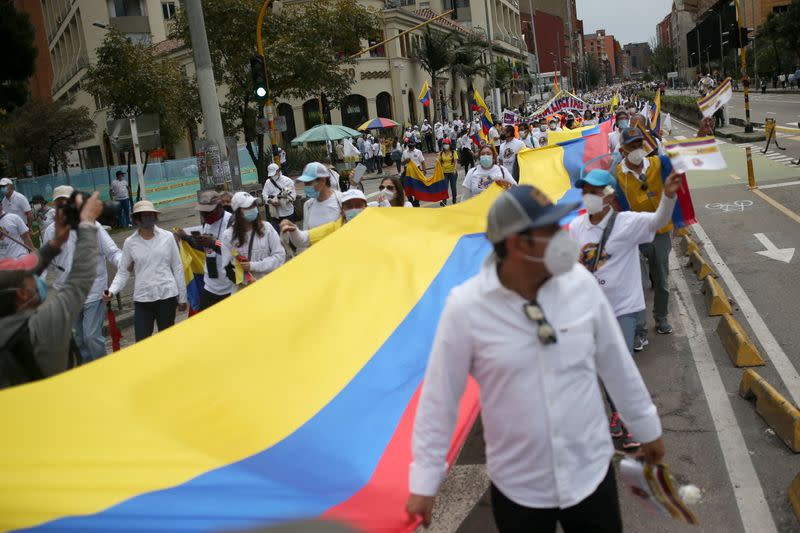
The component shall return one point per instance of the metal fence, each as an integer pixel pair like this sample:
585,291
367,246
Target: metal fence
167,183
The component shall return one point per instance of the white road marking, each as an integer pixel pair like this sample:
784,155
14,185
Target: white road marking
784,184
680,137
773,350
773,252
770,112
753,508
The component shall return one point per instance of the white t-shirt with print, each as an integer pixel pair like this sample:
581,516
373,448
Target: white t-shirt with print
16,228
618,273
509,151
316,213
478,179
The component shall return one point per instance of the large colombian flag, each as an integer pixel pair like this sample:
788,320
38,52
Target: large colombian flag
421,187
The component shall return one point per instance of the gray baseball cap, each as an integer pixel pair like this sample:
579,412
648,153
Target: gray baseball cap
522,208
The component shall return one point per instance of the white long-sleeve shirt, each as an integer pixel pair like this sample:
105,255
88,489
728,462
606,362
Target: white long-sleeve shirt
267,253
547,440
156,265
221,284
285,205
108,252
478,179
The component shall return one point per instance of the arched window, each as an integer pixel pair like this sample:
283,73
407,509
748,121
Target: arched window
285,110
354,111
311,113
383,102
412,108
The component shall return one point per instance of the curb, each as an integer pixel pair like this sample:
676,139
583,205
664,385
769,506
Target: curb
740,348
700,266
779,413
682,232
716,298
688,246
794,495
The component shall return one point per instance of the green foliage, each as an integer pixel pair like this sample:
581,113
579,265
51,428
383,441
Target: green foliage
435,56
42,133
17,40
132,80
297,157
594,71
503,73
663,60
466,61
779,41
681,105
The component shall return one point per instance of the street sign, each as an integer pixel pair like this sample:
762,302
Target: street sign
147,126
671,75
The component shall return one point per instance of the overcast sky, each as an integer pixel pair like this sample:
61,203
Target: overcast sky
630,21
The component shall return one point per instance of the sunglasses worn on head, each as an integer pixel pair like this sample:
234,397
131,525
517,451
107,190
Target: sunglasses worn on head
547,335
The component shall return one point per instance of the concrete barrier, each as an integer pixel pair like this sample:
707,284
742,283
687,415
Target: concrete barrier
682,232
739,346
716,298
701,268
794,495
688,246
777,411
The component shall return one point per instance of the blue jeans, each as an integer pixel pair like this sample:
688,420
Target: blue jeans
125,212
628,325
656,257
89,331
452,179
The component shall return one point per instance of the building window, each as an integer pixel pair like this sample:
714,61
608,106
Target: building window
127,8
383,103
379,51
168,10
408,2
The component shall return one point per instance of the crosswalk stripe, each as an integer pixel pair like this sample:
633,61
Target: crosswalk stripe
680,137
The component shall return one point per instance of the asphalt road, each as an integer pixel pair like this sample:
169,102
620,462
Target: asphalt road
714,438
784,108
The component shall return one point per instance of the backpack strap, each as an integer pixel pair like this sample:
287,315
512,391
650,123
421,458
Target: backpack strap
603,240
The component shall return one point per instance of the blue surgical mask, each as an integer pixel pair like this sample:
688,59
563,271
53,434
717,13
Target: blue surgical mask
3,191
622,124
250,214
486,161
41,288
350,214
310,191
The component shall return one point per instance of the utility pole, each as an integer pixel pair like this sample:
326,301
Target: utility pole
535,46
495,103
206,86
748,128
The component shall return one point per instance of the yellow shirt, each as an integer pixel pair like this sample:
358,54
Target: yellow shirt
448,160
638,198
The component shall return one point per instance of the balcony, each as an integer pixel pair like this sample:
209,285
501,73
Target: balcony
61,18
133,24
80,63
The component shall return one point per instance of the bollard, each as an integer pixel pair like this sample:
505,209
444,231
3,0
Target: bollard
751,177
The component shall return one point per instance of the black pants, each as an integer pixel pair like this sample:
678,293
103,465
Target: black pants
146,314
598,513
207,299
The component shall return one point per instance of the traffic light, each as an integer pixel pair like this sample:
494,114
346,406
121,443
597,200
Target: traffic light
744,36
259,78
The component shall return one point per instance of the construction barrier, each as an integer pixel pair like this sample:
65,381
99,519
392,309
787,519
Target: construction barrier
701,268
779,413
688,246
739,346
794,495
716,298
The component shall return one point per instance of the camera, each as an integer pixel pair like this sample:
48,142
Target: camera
72,213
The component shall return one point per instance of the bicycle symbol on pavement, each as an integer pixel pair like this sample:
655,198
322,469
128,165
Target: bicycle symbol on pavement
736,206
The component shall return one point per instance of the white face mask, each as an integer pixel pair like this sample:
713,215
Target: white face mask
593,203
637,156
387,195
560,254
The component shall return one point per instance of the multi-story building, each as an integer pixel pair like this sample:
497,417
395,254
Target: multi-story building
41,82
549,47
388,79
640,57
559,20
664,31
607,51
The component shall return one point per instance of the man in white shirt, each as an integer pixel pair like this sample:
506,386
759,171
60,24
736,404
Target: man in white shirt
279,194
377,156
207,236
494,135
427,133
121,193
621,122
533,328
15,236
510,148
14,202
324,204
89,327
412,153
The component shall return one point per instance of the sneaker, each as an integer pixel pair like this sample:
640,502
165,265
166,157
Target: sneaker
628,443
639,342
615,426
663,327
443,203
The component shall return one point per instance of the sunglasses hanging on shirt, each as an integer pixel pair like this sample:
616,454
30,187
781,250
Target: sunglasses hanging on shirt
643,180
547,335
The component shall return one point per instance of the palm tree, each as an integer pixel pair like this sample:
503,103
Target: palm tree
435,56
467,61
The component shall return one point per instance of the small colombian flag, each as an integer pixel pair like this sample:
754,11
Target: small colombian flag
425,95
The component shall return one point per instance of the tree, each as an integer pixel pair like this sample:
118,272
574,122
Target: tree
467,59
16,38
503,74
594,72
307,47
42,133
132,80
663,60
779,42
435,56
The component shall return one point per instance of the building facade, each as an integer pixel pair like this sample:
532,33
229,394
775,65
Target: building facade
664,31
40,84
639,56
608,52
559,21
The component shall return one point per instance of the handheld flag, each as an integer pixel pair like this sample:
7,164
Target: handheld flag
710,103
425,95
555,84
654,488
113,330
483,110
654,117
701,153
421,187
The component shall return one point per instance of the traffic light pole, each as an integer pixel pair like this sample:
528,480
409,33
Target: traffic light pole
267,100
748,128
